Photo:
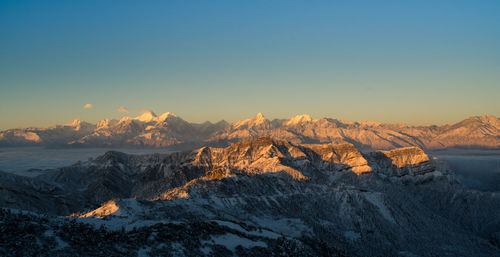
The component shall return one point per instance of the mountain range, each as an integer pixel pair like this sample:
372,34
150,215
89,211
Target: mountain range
255,197
169,130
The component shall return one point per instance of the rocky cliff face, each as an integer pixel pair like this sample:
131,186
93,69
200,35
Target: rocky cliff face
118,175
342,156
402,161
397,202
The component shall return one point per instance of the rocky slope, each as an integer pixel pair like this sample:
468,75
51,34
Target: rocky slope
150,130
259,193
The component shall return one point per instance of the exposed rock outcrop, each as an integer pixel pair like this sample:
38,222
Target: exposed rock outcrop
402,161
329,196
117,175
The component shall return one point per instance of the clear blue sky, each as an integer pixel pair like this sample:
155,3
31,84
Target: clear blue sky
418,62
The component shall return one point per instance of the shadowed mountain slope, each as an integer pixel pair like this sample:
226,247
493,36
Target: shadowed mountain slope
398,202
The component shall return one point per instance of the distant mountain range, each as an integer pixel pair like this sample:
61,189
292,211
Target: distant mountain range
256,197
169,130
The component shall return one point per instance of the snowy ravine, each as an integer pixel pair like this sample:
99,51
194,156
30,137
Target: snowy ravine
256,197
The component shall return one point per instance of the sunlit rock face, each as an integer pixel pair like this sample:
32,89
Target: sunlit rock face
327,198
117,175
342,156
116,208
272,155
403,161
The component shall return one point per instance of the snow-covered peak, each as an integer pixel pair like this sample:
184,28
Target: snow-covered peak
299,119
75,123
489,119
166,115
106,123
149,116
146,116
375,124
258,121
124,119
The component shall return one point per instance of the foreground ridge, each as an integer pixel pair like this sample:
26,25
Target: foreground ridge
259,196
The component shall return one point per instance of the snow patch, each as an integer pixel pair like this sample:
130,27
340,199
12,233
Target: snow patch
377,199
231,241
261,232
144,252
290,227
351,235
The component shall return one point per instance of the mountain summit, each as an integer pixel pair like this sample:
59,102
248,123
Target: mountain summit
146,116
168,129
149,116
299,119
257,122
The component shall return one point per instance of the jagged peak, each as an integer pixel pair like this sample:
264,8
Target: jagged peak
167,115
75,123
126,118
257,121
106,123
334,122
299,119
149,116
479,121
222,123
489,119
259,118
146,116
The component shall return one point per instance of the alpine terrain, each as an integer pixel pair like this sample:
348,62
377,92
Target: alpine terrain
168,129
260,196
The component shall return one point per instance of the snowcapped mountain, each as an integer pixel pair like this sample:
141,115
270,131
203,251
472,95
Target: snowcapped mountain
147,130
482,132
297,120
150,130
53,135
259,193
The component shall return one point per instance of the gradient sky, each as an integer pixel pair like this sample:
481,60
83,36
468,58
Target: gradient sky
417,62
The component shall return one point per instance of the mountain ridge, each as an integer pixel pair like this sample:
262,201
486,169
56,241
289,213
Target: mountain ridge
119,175
398,202
170,130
